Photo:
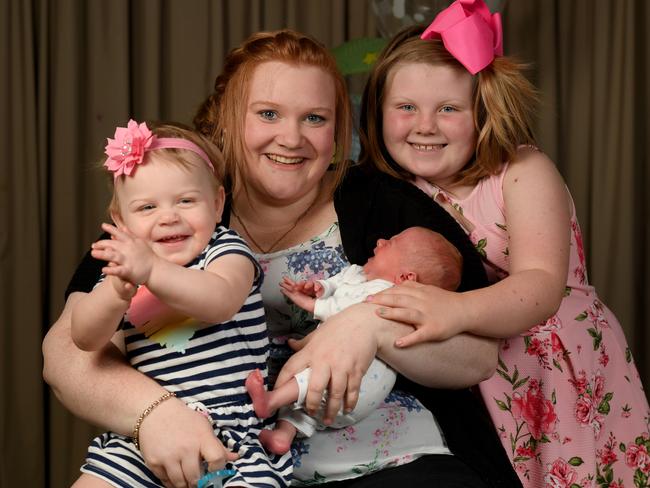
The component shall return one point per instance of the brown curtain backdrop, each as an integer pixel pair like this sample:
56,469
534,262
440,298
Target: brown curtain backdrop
70,70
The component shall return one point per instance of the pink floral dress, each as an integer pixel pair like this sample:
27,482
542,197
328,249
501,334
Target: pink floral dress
566,399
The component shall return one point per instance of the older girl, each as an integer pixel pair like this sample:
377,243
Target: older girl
447,112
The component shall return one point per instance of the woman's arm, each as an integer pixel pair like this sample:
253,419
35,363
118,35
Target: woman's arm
341,349
102,388
92,384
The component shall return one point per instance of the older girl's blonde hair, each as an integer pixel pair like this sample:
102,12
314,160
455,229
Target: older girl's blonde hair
504,104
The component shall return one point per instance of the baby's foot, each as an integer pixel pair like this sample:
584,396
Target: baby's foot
259,395
277,441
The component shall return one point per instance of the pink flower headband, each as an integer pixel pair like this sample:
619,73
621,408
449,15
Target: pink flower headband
130,143
469,32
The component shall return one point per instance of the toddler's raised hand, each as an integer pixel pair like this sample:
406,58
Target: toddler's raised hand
132,257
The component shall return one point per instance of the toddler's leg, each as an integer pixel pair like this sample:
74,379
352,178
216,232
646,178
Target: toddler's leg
265,402
90,481
278,440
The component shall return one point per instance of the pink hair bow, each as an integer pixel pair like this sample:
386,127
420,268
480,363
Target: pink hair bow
469,32
128,147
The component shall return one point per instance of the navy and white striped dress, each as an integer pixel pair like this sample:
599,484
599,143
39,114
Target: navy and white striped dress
208,373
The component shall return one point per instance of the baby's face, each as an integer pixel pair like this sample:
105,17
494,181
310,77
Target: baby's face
172,208
388,256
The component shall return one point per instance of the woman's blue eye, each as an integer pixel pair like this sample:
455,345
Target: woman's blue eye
447,108
268,114
407,107
315,119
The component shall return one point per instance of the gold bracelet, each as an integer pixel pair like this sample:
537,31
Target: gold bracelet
145,412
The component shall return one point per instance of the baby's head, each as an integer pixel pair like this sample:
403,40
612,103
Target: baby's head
416,254
166,188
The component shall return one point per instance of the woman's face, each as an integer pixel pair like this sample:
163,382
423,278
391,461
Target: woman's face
288,130
428,122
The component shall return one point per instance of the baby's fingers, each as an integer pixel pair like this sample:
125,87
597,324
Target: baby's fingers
287,283
284,287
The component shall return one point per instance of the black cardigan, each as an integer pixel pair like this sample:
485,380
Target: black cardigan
369,206
372,205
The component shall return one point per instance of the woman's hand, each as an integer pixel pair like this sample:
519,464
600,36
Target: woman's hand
339,353
434,313
174,440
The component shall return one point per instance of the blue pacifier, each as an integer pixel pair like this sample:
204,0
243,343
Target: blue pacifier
215,479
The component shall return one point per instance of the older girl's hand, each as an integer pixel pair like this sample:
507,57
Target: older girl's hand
339,353
174,440
434,313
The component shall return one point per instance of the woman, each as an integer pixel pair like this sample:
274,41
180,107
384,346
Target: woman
281,115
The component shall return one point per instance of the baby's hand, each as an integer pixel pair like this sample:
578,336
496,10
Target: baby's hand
304,287
318,289
301,293
132,259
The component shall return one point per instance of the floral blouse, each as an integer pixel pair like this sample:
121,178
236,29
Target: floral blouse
399,431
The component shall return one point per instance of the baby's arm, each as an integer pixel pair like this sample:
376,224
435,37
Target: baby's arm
97,315
212,295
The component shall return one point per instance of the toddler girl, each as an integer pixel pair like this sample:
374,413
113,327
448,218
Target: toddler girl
190,290
445,110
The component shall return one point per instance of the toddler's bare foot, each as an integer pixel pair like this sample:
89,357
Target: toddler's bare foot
259,395
278,440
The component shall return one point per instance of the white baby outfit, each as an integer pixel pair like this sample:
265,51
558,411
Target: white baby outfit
346,288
